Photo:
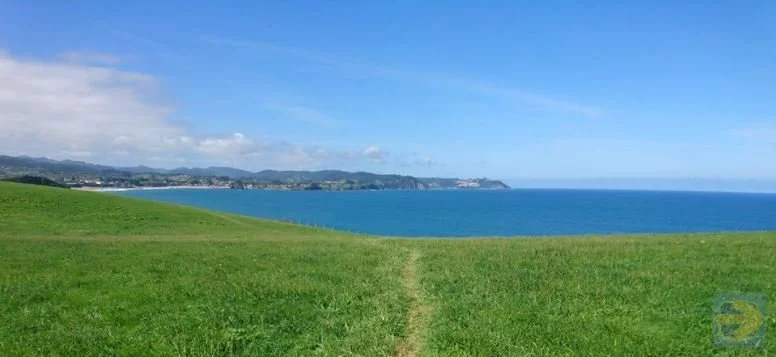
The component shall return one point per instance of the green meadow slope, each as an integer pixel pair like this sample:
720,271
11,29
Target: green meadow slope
87,274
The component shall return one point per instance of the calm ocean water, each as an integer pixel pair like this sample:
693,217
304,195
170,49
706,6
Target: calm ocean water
454,213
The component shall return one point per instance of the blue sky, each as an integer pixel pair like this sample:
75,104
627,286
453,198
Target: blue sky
561,90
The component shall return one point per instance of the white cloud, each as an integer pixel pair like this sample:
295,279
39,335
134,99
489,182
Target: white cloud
65,109
236,145
57,107
375,154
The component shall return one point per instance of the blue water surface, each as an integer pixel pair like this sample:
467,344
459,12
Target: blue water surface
463,213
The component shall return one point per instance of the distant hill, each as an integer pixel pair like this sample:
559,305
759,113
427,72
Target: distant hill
408,182
212,171
91,174
476,183
11,166
142,170
35,180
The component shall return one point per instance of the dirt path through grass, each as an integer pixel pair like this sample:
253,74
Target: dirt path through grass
418,313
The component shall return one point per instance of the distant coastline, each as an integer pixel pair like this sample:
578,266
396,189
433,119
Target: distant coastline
118,189
86,176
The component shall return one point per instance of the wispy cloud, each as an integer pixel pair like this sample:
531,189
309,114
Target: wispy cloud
90,57
423,78
415,160
521,96
426,161
756,132
160,49
302,113
268,47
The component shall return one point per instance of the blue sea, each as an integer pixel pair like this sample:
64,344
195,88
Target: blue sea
462,213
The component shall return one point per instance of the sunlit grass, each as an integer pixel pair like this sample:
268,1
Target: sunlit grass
650,295
89,274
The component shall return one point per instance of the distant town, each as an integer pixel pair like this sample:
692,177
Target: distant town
183,181
81,175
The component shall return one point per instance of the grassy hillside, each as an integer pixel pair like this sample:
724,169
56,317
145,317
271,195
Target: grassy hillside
29,210
648,295
94,274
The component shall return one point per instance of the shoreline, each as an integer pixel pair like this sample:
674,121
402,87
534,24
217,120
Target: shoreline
119,189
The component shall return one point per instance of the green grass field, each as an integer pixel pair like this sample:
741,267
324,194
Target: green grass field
91,274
